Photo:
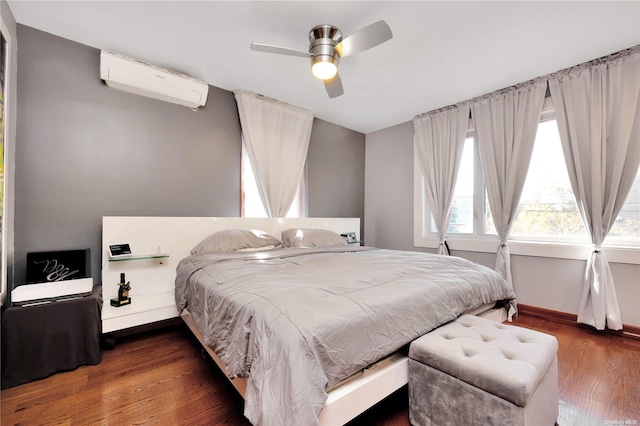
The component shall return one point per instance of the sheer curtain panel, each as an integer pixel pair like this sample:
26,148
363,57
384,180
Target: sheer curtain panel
276,136
439,139
597,107
506,123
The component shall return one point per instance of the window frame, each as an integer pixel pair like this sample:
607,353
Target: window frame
616,250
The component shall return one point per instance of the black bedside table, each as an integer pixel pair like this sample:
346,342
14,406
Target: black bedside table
38,341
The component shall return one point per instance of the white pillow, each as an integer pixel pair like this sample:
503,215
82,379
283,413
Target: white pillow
302,237
234,240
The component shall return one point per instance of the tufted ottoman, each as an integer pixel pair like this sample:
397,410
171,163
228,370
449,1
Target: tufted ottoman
474,371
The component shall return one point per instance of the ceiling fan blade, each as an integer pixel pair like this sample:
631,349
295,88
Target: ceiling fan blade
334,86
365,38
268,48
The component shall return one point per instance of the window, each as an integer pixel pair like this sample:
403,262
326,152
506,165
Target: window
461,221
627,225
251,204
548,208
547,220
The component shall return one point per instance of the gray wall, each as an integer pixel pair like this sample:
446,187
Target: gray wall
388,200
335,164
85,150
538,281
10,114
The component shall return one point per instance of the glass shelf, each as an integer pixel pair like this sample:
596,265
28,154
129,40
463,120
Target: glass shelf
140,257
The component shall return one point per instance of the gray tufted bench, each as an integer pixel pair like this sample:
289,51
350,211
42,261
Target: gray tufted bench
474,371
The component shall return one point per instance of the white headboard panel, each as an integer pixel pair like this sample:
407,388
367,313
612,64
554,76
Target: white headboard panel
176,236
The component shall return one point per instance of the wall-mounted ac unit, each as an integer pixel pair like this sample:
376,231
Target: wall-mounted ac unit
144,79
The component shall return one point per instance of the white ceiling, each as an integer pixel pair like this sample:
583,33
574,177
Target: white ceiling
441,52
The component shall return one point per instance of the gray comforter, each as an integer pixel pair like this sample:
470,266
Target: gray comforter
294,322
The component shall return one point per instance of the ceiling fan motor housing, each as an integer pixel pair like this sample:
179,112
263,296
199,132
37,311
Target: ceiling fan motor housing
323,40
327,47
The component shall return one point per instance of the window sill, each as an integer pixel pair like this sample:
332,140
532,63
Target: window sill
576,251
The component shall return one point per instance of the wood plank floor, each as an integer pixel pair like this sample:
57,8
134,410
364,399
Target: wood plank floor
160,377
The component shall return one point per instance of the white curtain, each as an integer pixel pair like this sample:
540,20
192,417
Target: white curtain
506,123
439,140
597,107
276,136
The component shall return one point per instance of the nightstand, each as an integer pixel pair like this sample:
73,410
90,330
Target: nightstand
152,297
40,340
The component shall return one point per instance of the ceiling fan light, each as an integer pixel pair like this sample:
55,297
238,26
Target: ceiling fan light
324,70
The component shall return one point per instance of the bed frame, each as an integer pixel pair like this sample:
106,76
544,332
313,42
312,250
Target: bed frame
176,236
359,392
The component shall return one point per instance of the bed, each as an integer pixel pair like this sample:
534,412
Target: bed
155,298
313,332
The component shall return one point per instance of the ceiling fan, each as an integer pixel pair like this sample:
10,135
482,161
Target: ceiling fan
327,47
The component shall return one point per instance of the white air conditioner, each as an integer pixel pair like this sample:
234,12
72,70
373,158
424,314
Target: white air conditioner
144,79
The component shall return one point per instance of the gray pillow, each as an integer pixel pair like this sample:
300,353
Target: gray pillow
236,239
312,238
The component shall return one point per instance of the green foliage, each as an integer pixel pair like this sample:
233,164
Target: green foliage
556,215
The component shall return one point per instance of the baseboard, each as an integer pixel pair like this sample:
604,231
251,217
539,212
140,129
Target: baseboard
628,331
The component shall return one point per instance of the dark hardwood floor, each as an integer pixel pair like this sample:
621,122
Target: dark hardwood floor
160,377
